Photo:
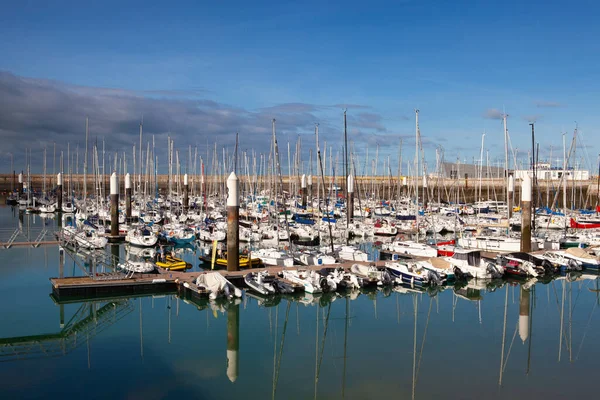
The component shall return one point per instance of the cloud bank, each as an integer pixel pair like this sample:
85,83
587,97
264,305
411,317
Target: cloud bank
38,113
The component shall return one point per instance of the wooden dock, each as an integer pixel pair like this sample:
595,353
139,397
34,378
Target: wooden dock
69,288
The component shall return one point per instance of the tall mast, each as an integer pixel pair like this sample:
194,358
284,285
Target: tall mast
504,116
140,155
417,170
345,157
85,160
564,174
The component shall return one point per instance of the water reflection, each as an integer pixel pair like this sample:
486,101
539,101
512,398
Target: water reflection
337,342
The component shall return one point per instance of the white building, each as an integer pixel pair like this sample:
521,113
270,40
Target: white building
554,174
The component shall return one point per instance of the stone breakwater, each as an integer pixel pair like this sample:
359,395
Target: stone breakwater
466,190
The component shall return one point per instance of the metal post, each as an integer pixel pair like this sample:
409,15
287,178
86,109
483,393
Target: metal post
128,197
186,193
526,213
310,188
511,189
233,233
61,261
20,187
233,342
304,190
59,192
114,206
350,205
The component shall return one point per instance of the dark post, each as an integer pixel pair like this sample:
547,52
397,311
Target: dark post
526,214
128,197
114,206
350,204
304,190
233,233
59,192
186,194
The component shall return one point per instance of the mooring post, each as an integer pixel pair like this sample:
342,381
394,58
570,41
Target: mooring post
509,202
59,192
310,188
304,190
61,261
233,341
526,214
350,204
128,198
114,206
186,194
233,233
20,187
425,195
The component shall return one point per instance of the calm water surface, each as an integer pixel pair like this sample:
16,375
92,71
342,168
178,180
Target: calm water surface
504,341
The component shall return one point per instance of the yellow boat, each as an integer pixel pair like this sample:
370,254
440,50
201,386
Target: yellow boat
172,264
222,262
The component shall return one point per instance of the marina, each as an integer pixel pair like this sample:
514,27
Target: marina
299,200
285,339
386,257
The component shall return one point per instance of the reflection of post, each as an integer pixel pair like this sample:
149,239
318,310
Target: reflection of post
524,315
114,251
233,342
62,316
503,338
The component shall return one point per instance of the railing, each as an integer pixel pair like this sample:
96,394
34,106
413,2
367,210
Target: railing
88,321
32,236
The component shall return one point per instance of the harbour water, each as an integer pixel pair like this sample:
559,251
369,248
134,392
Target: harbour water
506,340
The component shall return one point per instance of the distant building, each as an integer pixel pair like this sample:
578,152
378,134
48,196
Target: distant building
471,171
544,174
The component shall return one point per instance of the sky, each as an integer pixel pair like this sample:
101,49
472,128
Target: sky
200,72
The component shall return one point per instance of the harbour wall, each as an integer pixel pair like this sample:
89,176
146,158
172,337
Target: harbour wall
579,193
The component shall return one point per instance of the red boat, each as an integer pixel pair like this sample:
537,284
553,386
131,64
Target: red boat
445,249
584,225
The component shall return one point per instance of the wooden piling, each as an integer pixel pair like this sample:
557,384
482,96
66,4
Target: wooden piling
233,216
526,214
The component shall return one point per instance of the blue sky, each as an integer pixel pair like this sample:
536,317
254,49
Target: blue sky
459,62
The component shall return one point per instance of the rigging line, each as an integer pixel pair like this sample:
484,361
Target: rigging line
287,313
424,337
511,345
323,341
585,331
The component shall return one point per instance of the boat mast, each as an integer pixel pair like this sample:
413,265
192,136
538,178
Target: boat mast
533,167
417,172
564,174
504,116
346,162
